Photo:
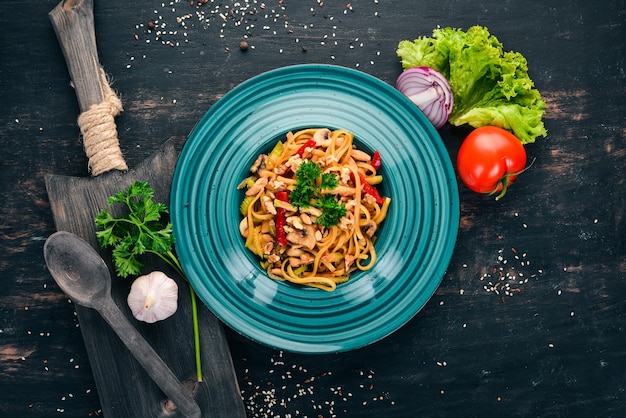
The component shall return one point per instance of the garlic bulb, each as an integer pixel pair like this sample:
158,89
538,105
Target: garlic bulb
153,297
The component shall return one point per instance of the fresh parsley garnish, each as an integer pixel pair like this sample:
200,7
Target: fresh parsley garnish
307,193
140,231
332,211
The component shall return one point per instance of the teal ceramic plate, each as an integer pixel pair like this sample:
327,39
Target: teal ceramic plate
415,242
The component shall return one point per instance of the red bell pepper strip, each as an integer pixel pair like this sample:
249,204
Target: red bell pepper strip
281,219
370,190
308,144
377,163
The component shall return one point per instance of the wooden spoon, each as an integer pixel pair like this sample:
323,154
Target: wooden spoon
84,276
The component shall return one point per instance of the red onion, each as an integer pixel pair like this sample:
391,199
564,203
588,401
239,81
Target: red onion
430,91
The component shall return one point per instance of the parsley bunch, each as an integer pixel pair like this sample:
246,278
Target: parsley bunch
142,230
307,193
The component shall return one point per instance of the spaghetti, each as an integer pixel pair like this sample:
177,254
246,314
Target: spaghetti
311,208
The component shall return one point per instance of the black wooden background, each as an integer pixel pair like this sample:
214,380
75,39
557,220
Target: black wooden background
555,348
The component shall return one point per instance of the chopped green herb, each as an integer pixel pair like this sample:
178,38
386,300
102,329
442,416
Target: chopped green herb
307,193
332,211
140,231
329,181
305,187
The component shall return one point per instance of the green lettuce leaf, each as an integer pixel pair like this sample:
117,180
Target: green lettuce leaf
490,86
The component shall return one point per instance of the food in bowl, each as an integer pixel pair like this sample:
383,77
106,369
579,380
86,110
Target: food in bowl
311,208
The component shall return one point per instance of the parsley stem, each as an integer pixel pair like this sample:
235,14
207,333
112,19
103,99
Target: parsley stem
196,333
171,259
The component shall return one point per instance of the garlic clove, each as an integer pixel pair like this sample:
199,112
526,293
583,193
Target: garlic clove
153,297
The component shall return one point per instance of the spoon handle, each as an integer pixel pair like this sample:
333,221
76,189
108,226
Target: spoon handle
149,359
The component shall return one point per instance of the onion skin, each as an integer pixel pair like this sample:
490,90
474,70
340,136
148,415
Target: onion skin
430,91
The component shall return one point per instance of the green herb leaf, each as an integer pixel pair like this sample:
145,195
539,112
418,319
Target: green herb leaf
305,188
332,211
329,181
307,193
141,230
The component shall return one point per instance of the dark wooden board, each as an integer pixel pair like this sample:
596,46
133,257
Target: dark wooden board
124,388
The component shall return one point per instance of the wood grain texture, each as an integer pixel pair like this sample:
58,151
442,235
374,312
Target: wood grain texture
125,389
553,349
73,24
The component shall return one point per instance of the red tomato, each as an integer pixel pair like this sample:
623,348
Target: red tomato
490,159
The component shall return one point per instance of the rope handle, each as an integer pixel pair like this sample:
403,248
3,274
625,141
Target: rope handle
73,23
97,125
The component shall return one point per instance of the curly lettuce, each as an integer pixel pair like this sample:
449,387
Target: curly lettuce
490,86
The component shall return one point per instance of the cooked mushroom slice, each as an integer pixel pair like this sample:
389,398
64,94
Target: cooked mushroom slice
359,155
243,227
306,219
273,258
268,247
294,251
348,261
341,191
369,228
295,221
257,186
321,136
304,236
268,203
258,164
304,259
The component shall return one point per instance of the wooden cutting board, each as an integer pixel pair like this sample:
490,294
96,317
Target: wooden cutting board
124,388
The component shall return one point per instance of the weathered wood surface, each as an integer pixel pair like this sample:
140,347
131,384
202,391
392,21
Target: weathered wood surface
124,388
73,23
554,349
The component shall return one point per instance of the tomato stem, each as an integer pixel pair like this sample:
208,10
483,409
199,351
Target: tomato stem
504,182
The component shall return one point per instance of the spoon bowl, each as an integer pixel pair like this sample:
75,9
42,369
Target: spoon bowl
77,268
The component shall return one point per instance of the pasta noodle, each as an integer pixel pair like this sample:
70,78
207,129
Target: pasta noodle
313,231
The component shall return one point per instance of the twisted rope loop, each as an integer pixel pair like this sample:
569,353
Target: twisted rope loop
97,125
